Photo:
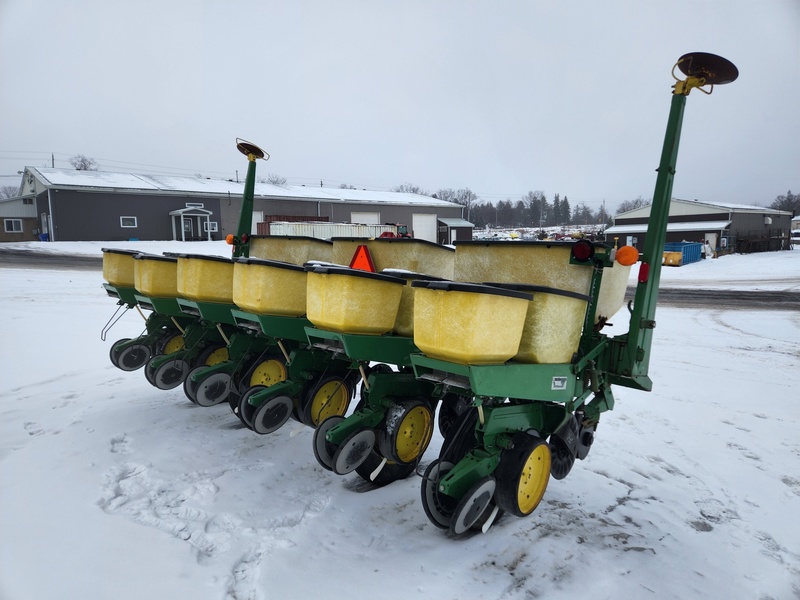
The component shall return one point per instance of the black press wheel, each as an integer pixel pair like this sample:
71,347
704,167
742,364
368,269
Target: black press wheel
213,389
189,386
271,414
380,471
353,451
563,448
245,410
451,407
323,449
113,354
170,374
438,507
474,504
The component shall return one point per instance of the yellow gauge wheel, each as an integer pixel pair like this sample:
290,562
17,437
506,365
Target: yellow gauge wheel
330,399
217,356
174,344
409,427
533,479
268,372
522,475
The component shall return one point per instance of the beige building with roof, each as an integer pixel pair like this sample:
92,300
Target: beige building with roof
727,227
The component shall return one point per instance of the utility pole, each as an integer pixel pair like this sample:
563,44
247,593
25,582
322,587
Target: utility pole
52,160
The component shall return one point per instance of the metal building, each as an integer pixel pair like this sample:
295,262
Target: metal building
75,205
727,227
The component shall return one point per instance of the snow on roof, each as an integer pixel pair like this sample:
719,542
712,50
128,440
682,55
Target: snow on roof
729,205
199,185
671,227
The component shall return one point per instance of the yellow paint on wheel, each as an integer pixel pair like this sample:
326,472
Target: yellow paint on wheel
217,356
533,479
413,433
331,399
174,344
268,372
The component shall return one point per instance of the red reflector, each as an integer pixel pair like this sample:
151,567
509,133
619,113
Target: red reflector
245,237
644,272
362,260
582,250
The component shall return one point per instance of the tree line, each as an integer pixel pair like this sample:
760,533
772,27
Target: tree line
534,209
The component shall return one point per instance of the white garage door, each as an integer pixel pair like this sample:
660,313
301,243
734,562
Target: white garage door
366,218
424,226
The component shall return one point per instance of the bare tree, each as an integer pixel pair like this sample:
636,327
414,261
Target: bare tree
9,191
408,188
83,163
789,202
276,179
627,205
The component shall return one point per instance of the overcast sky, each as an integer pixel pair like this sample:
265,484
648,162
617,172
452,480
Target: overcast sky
503,97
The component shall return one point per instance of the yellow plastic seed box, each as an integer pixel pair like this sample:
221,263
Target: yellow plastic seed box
553,324
156,276
468,323
118,266
534,263
297,250
410,254
269,287
205,278
347,300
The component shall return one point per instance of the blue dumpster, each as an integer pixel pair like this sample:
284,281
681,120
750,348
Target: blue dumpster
691,251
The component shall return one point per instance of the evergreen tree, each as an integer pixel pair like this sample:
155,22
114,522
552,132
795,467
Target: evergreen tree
566,211
790,203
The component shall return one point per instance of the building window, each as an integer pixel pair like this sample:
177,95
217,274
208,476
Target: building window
27,200
210,226
12,225
127,222
194,205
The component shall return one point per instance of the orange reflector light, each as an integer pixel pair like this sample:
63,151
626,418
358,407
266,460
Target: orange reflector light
627,255
362,260
644,272
229,239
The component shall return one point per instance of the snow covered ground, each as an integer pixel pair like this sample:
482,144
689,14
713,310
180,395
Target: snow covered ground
110,488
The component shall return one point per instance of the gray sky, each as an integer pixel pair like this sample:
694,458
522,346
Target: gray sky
503,97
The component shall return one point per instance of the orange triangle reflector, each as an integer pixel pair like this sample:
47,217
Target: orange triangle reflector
362,259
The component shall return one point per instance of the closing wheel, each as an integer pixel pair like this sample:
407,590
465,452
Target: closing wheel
563,449
170,343
266,372
213,390
473,505
323,449
131,358
270,416
113,354
438,507
189,386
327,398
353,451
407,431
522,475
170,374
451,407
380,471
245,410
149,372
